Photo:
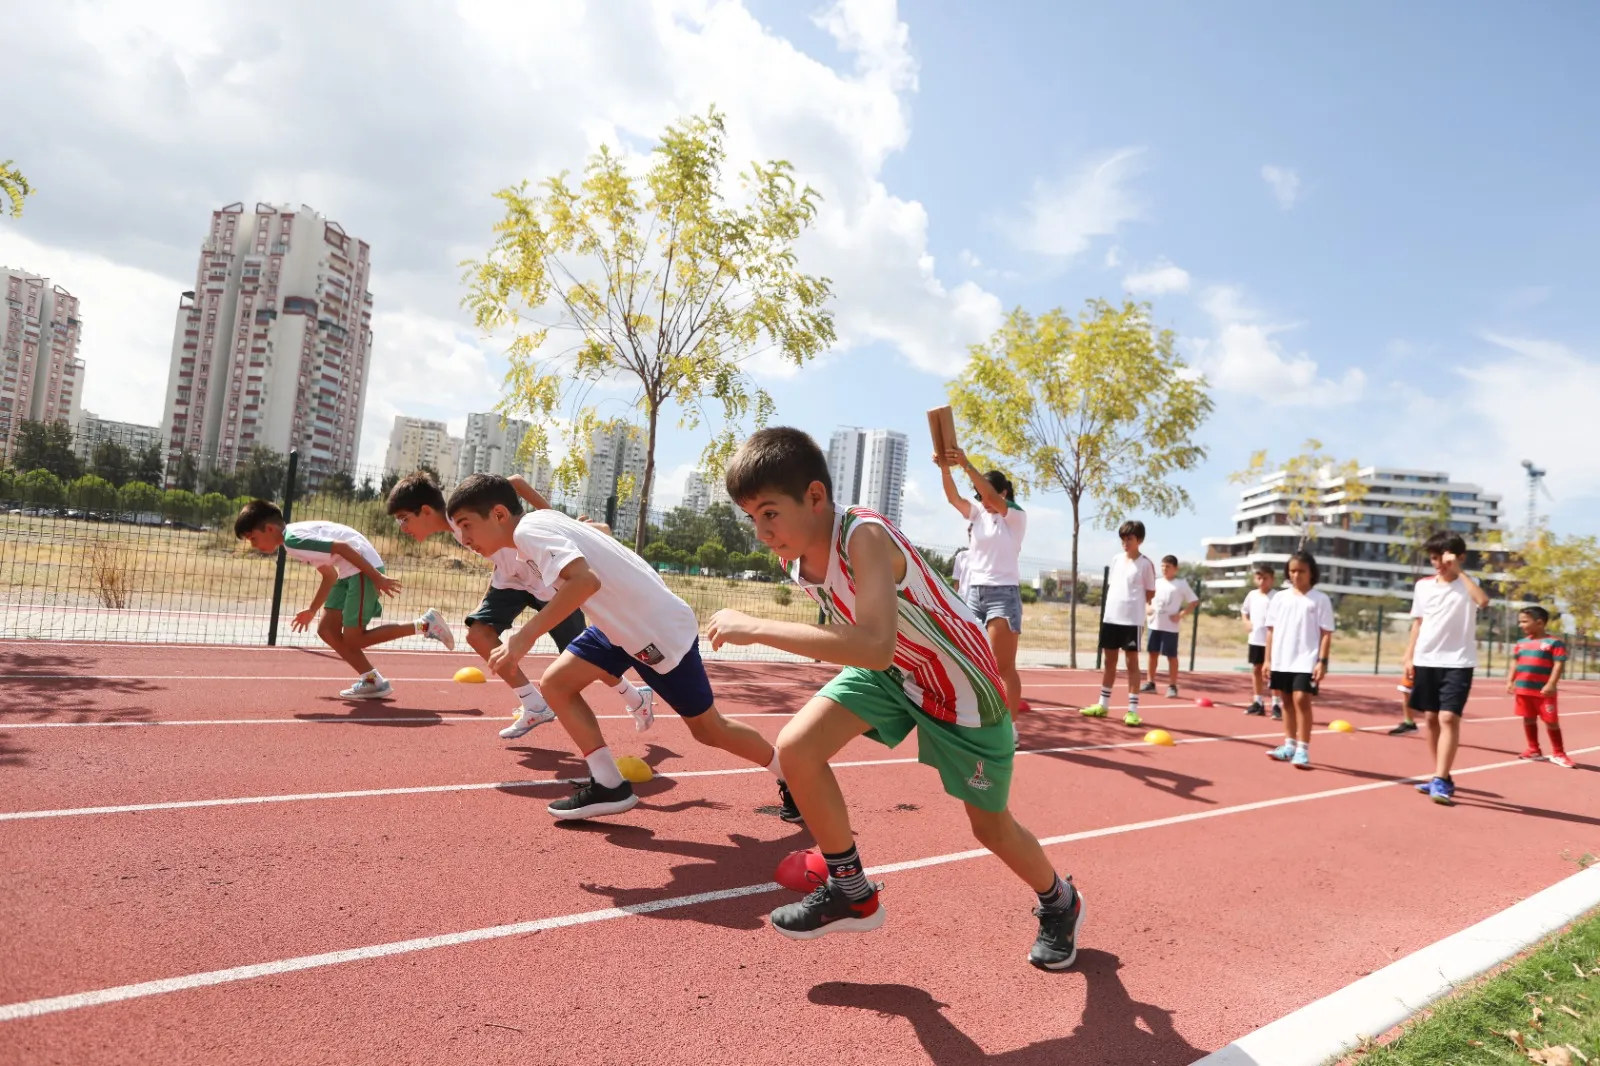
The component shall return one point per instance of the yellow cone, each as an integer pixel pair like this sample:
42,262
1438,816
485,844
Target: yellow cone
1159,736
1339,725
469,675
634,769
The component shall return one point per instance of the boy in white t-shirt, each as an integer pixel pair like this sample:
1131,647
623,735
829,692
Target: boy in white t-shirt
1173,602
1132,586
635,622
1299,635
1254,613
417,504
1442,653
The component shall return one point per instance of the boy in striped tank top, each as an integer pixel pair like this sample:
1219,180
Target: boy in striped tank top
914,658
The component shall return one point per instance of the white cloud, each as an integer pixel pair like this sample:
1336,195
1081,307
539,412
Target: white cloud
1285,184
1113,257
969,260
1164,277
1245,356
1063,217
1553,430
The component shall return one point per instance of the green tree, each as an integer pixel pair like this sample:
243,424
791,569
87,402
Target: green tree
91,493
188,474
111,461
734,533
711,556
685,529
340,485
138,498
213,507
386,486
665,285
14,188
150,468
263,472
1311,487
41,488
215,479
657,552
8,483
1416,526
1101,408
367,492
46,446
1563,573
179,505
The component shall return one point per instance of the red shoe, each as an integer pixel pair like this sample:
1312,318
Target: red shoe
1023,706
1560,759
1532,755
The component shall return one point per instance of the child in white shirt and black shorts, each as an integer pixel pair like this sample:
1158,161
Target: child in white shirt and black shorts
1132,586
1299,635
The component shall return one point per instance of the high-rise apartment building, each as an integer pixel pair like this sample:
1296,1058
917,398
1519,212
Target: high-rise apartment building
272,345
700,492
93,431
614,454
415,443
492,445
41,376
868,467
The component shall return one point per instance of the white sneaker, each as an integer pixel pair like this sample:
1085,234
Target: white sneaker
645,716
526,721
364,689
434,627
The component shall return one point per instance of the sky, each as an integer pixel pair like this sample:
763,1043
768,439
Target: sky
1368,223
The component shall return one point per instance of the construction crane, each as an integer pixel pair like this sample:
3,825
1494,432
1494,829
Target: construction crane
1535,486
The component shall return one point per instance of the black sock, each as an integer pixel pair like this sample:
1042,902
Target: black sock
844,870
1059,897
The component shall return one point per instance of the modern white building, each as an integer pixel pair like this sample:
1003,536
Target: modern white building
272,345
492,445
615,453
41,376
415,443
868,467
92,431
1359,544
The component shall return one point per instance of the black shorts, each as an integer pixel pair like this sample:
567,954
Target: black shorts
1162,642
1258,655
1114,637
501,607
1288,681
685,688
1440,688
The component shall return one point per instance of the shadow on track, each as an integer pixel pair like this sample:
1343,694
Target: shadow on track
64,696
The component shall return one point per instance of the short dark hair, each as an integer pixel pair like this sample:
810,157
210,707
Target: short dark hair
1310,563
1131,528
412,494
1443,541
1537,613
1173,559
1001,484
1266,568
781,459
254,515
480,493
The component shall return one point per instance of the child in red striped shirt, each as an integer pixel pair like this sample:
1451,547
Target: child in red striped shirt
1539,659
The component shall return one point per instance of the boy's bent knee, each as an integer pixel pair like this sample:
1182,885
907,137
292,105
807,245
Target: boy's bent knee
989,825
482,638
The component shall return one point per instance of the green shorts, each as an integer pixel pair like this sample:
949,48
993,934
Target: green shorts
973,762
356,598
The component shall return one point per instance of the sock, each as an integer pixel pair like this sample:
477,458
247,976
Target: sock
1555,738
532,699
420,625
373,676
1059,897
630,695
1301,745
603,768
1133,702
844,870
777,771
1530,730
1105,697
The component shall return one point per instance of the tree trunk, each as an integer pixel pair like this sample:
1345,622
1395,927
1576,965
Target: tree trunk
642,529
1072,612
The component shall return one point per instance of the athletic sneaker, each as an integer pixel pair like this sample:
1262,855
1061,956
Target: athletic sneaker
1148,686
1402,728
365,689
1277,713
1132,718
1426,787
1560,759
645,716
590,799
1172,692
1532,755
1056,946
1283,752
827,911
1442,791
1094,710
525,721
1256,709
434,627
1301,759
789,813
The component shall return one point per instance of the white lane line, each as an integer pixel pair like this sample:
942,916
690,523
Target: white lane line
120,993
416,790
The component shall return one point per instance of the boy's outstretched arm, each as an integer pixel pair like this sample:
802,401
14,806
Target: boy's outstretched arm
304,619
578,583
869,643
386,585
528,493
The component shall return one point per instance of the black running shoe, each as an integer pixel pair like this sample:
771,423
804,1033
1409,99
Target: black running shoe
1256,709
827,910
1402,728
1056,947
1277,713
1148,686
788,812
591,799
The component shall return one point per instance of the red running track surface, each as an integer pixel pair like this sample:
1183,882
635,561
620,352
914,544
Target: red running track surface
289,878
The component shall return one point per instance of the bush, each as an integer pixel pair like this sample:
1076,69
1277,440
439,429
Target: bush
139,498
213,507
41,488
1029,594
782,595
91,493
179,505
8,484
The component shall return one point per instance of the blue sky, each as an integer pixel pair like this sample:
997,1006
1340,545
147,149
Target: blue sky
1370,223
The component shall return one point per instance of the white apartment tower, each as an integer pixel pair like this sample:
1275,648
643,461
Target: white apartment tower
614,453
93,431
492,445
868,468
272,345
700,492
415,443
41,376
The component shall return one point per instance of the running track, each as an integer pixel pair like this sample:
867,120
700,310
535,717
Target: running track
208,857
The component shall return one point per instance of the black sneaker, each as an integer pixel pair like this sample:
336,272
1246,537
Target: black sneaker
825,911
788,811
1277,713
1403,727
1256,709
1148,686
1056,947
593,800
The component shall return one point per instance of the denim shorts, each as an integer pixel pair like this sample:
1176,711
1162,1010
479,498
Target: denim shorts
997,601
1162,642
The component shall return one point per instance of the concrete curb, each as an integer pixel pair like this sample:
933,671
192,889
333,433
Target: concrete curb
1336,1024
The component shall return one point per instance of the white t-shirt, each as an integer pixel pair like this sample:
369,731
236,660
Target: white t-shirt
996,544
1254,608
1125,596
958,571
633,607
1297,622
1449,633
312,543
1171,597
511,571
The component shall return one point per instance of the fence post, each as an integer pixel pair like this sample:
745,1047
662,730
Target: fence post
1194,630
283,558
1488,669
1377,648
611,512
1105,586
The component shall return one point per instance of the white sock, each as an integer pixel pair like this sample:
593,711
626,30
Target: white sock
603,768
629,694
373,676
1302,745
774,767
532,699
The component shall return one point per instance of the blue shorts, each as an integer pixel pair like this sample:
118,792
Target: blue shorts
997,601
685,688
1161,642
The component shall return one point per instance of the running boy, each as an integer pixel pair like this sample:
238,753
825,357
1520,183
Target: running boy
418,506
1254,612
1540,659
1173,602
1299,635
914,657
1442,653
634,621
352,580
1132,587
